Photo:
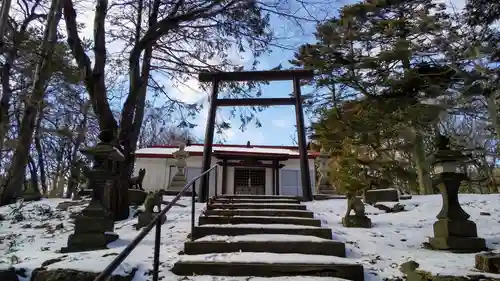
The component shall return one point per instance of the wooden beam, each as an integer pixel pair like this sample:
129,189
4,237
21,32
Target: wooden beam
256,102
266,75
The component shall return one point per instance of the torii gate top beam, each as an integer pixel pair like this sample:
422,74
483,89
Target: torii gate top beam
267,75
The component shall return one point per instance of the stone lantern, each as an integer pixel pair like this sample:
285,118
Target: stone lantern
179,180
94,226
453,230
323,186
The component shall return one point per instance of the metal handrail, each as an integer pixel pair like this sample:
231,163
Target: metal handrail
106,273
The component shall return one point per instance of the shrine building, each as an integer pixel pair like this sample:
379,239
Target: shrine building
241,169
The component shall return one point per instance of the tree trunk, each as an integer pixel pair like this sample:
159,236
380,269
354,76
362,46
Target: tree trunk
5,99
96,87
38,146
133,112
80,137
4,17
6,94
40,77
33,176
59,170
421,164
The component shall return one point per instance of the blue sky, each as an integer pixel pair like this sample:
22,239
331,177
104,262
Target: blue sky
278,122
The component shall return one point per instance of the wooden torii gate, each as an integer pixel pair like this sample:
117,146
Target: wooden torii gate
271,75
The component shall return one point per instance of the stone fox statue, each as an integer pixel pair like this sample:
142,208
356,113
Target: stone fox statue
354,203
136,182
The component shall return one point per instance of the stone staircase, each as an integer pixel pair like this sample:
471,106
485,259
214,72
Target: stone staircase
264,236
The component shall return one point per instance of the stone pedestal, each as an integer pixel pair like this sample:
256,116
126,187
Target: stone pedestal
93,230
454,231
456,236
357,221
178,182
145,218
381,195
324,187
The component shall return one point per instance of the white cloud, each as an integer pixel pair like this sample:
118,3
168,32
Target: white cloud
230,134
254,135
281,123
188,91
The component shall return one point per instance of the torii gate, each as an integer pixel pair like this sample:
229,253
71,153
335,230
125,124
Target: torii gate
271,75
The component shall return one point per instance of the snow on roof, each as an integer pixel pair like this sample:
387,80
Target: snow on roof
197,149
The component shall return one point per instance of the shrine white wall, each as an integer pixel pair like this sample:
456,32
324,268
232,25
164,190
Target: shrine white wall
159,172
156,172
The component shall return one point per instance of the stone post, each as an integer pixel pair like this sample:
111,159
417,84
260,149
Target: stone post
323,186
453,231
94,226
179,180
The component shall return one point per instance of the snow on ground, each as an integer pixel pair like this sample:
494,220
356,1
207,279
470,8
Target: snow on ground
395,238
29,247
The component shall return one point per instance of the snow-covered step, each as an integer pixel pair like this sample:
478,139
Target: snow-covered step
246,200
257,220
268,265
282,206
262,238
260,212
271,243
248,196
245,229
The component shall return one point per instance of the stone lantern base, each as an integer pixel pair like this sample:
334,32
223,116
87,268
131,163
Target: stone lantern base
326,189
357,221
456,236
93,230
178,182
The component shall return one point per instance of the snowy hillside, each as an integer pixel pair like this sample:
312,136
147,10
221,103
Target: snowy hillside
30,239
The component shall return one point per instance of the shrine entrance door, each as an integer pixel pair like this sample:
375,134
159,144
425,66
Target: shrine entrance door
250,181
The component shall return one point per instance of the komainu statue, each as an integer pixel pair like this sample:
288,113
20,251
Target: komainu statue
359,219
